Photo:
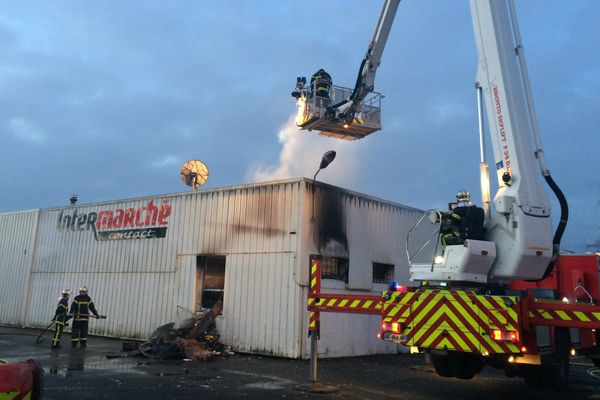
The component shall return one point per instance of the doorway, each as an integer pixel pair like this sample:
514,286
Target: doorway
210,281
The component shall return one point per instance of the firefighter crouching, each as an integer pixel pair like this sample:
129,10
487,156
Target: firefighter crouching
80,311
60,318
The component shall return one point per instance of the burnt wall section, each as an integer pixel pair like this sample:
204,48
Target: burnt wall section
361,228
330,222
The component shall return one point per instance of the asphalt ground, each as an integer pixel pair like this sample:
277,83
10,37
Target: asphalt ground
89,374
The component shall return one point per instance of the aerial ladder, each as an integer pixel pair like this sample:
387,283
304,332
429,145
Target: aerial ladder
347,113
506,297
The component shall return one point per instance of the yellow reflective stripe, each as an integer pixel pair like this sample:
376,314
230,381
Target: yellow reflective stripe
13,395
313,282
343,303
355,303
582,316
331,302
563,315
367,304
418,318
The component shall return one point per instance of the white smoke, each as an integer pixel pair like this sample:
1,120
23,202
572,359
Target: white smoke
301,155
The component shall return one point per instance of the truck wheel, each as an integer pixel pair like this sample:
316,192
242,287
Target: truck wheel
464,365
555,374
441,366
532,374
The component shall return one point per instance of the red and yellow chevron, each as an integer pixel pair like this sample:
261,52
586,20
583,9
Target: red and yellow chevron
314,288
345,303
558,313
454,320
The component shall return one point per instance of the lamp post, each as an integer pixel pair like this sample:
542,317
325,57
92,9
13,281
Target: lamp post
328,157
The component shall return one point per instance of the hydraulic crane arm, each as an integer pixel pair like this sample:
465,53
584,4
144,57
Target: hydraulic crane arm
521,225
365,81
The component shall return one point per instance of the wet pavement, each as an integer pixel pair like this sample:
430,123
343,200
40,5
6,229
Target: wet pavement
89,374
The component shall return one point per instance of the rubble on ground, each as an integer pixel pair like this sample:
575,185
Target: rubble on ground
196,339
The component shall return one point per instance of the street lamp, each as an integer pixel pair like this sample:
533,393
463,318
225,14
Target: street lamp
328,157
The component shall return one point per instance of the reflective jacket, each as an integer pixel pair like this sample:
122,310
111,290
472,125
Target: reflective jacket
81,306
60,315
321,83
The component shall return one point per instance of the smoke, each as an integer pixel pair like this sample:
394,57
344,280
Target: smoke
301,155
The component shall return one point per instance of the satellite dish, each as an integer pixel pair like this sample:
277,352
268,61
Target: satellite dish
194,173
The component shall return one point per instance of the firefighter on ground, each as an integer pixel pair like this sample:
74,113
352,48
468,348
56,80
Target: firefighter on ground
80,312
464,221
320,84
60,317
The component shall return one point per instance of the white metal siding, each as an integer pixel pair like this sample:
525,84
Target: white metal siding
142,284
17,241
375,231
263,230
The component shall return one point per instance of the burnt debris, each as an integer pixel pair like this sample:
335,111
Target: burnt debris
196,339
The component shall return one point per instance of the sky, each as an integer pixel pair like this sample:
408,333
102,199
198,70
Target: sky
108,99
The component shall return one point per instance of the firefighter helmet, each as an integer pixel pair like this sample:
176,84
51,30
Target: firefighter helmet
66,292
83,290
463,196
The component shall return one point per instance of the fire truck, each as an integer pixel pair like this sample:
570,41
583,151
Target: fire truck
501,293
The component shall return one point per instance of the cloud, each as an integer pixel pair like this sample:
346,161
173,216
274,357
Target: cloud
26,130
165,161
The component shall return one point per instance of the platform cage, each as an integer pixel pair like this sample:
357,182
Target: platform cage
315,113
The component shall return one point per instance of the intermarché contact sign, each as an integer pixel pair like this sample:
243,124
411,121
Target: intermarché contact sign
146,222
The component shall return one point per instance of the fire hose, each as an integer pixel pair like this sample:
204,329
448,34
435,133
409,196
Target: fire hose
41,339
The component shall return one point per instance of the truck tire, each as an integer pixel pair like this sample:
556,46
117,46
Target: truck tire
532,374
441,366
464,365
555,374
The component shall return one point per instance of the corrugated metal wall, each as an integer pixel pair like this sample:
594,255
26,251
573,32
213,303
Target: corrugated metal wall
17,241
366,230
142,284
266,233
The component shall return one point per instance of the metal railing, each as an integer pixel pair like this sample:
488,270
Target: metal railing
434,217
369,110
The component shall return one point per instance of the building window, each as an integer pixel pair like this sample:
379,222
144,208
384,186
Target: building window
383,273
334,268
210,280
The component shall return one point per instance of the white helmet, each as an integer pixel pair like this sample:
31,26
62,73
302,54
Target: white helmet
463,196
82,290
66,292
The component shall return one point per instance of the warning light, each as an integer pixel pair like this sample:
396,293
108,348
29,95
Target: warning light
523,349
500,335
346,126
395,327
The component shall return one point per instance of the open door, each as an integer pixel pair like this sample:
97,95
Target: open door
210,281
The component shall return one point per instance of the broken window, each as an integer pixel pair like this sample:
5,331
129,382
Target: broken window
210,280
383,273
334,268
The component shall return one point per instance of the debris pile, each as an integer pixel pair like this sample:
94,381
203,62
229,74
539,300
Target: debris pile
196,339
